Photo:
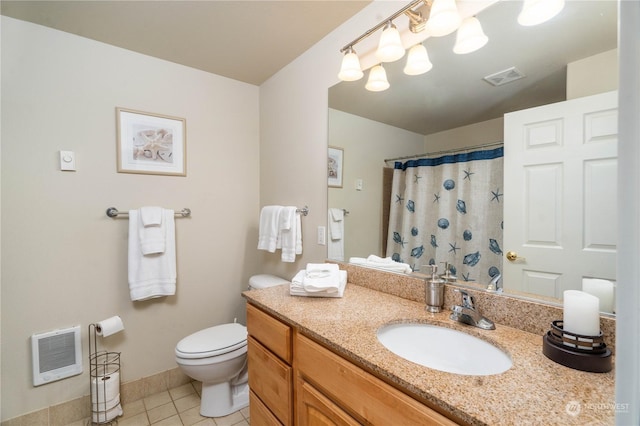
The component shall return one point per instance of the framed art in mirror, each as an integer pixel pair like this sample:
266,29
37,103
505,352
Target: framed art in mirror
150,143
335,168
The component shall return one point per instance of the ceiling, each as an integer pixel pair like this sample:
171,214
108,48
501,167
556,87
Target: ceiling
454,94
247,41
250,41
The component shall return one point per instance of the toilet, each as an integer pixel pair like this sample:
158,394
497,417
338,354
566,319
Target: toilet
217,357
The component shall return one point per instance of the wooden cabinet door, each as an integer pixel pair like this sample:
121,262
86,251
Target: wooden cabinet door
259,413
315,409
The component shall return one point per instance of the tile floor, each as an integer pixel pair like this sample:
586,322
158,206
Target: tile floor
176,407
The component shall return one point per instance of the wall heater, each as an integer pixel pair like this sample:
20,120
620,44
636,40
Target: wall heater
57,355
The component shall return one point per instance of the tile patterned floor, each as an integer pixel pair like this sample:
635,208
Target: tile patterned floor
176,407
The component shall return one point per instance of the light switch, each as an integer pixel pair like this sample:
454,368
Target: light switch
322,235
67,161
359,184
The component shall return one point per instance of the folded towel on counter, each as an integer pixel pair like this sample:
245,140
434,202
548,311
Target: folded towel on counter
152,275
297,287
385,263
321,270
269,228
151,231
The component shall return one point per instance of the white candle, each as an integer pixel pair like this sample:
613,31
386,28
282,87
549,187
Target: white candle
603,290
581,313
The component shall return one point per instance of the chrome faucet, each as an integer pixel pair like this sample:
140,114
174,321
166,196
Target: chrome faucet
467,313
494,285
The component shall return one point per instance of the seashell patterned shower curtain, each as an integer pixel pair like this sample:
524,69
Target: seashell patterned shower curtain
449,209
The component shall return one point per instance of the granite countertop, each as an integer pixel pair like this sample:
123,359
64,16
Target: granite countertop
535,390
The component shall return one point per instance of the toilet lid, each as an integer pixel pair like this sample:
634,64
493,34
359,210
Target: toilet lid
213,341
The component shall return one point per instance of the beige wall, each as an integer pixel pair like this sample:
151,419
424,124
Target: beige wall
593,75
366,145
63,261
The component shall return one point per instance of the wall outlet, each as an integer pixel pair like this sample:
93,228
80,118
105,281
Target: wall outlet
322,235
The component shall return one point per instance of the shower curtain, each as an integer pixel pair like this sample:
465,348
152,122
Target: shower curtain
449,209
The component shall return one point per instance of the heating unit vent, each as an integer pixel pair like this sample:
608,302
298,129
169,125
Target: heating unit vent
56,354
504,77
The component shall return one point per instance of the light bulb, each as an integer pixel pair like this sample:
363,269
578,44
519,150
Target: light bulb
443,18
535,12
417,61
377,79
390,46
350,69
470,36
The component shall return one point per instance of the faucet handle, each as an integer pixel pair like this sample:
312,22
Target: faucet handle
467,299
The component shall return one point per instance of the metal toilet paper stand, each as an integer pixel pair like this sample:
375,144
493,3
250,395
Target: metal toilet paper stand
104,370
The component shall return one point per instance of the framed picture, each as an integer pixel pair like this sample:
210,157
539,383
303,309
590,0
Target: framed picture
151,144
335,167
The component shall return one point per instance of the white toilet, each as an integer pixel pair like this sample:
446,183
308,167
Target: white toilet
217,357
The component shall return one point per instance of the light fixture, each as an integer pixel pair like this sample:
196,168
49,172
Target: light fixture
535,12
350,69
417,61
390,46
444,18
470,36
377,79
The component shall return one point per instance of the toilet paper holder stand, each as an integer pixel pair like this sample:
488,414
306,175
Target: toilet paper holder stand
104,382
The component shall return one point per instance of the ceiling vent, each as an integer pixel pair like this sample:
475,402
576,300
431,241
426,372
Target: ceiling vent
503,77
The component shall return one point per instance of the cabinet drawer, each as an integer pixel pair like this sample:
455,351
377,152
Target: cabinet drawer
366,397
273,334
271,380
259,413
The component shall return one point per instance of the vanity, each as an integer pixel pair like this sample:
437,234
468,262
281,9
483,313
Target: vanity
319,361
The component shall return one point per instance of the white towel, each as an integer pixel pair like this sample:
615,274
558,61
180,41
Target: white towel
321,270
289,234
336,223
296,288
152,275
269,228
151,230
386,264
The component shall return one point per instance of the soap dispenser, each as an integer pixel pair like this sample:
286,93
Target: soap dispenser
434,291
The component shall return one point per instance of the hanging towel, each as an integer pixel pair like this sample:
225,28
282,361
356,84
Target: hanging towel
289,234
151,230
336,224
152,275
335,244
269,227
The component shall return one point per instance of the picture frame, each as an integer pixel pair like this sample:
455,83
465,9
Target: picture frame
149,143
335,167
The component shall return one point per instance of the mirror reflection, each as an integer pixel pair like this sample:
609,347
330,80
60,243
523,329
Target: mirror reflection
451,109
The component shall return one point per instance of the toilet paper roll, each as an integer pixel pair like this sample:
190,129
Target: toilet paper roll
105,388
106,406
109,326
107,416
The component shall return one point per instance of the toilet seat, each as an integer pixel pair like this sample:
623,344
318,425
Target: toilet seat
213,341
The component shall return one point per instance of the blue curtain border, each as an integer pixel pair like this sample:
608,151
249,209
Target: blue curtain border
451,158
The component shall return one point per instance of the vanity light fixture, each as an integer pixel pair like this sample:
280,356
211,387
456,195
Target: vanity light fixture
470,36
377,79
390,46
443,18
417,61
536,12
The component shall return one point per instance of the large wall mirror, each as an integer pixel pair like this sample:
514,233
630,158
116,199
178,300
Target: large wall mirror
451,107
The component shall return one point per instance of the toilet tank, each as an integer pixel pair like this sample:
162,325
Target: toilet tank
265,280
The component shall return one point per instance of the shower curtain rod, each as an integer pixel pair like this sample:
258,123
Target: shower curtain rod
451,151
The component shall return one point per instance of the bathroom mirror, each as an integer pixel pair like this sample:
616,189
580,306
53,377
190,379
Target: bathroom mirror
451,106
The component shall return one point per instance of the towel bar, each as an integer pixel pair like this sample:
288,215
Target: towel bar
113,212
303,211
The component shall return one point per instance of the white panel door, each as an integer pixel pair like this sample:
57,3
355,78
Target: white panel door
560,194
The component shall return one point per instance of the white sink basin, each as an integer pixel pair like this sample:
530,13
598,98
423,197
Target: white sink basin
444,349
